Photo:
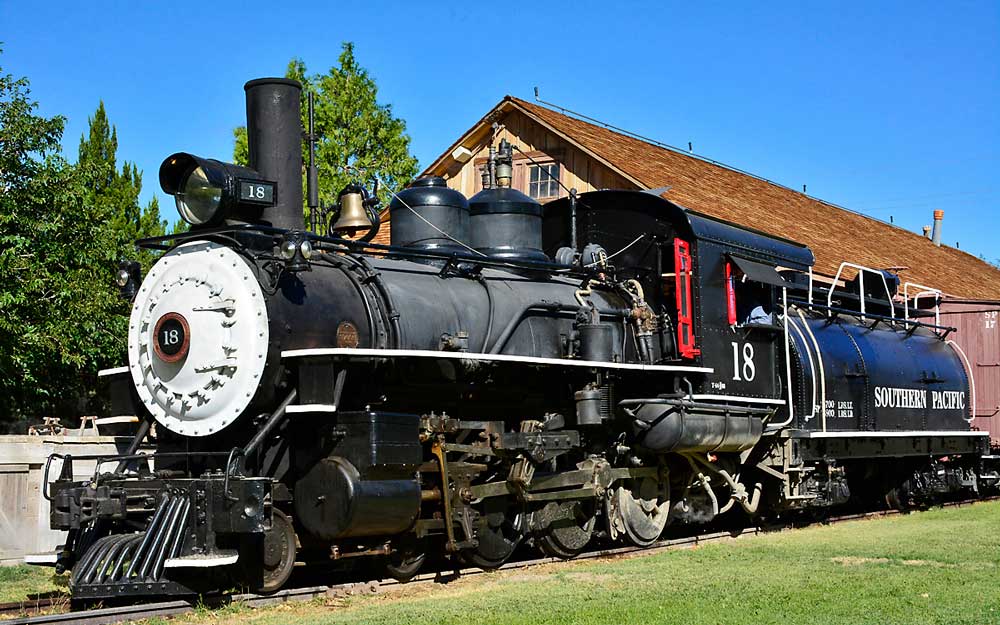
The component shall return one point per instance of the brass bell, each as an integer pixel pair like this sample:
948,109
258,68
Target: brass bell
353,216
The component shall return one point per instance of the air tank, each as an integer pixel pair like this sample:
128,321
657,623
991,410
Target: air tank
507,224
430,216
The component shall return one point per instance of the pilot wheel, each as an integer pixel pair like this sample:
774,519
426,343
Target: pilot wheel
279,553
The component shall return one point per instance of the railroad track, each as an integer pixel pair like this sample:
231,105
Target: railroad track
54,610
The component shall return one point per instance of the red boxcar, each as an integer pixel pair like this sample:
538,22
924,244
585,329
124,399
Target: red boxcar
978,335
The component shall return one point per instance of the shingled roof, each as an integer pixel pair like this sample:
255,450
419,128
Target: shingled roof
833,233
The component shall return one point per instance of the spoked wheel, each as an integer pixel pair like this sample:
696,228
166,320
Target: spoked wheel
897,498
638,511
500,531
405,561
563,529
279,553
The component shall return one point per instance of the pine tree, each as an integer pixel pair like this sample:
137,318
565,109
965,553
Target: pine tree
117,192
358,138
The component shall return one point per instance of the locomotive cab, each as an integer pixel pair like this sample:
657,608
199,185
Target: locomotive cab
717,285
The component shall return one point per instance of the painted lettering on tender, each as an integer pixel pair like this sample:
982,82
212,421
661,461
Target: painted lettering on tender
916,398
947,400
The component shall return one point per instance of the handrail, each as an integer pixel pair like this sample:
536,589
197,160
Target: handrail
972,378
336,244
818,381
822,369
925,290
810,293
861,286
788,364
854,313
812,371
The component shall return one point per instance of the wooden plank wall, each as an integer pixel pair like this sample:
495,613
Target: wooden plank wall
577,169
24,513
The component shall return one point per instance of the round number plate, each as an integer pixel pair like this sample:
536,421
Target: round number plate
172,337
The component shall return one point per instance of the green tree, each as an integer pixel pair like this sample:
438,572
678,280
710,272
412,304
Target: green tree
358,138
59,320
118,192
63,229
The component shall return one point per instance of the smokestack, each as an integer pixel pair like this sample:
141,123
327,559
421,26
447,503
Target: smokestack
927,232
274,139
936,233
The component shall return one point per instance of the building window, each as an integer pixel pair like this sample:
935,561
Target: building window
541,185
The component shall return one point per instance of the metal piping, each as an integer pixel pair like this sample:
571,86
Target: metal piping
133,446
271,423
706,483
681,403
489,324
739,490
541,305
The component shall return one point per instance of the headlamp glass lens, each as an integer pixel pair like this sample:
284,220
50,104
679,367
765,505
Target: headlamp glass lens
288,249
198,199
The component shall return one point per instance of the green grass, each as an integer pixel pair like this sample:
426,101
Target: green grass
941,566
22,582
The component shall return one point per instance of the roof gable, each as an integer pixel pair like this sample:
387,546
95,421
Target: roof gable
833,233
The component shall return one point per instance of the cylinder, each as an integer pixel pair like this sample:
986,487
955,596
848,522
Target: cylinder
588,406
333,500
430,216
506,224
274,141
938,219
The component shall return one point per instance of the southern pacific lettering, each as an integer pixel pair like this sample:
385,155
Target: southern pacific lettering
916,398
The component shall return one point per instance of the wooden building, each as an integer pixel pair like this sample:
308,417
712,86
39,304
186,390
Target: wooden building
587,157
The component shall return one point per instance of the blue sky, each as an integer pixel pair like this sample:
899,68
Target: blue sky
888,108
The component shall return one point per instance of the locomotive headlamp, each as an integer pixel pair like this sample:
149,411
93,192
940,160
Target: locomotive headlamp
296,250
208,191
128,279
288,249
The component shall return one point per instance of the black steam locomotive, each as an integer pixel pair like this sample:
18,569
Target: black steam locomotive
503,374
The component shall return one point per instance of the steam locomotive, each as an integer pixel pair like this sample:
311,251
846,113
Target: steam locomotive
503,374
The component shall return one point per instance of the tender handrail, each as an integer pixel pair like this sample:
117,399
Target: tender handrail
822,370
972,378
812,370
861,286
924,290
903,322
